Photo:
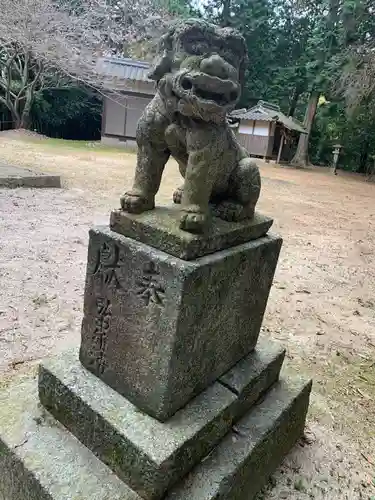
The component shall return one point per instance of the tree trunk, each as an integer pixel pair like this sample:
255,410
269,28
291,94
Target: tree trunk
363,159
25,121
16,118
301,157
26,112
226,13
293,104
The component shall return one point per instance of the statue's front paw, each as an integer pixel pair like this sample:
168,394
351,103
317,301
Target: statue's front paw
233,212
194,222
136,204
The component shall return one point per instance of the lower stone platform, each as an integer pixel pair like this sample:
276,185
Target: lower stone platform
40,460
14,177
240,466
149,455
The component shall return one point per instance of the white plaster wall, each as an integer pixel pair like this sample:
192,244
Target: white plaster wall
261,128
246,127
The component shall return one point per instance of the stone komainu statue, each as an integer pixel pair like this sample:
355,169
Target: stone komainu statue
199,70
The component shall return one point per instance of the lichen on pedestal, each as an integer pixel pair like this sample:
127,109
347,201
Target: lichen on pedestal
159,329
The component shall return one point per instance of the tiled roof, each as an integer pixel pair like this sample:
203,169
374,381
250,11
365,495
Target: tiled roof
265,111
124,69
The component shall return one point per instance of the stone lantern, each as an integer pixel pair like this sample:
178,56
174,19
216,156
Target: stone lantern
336,153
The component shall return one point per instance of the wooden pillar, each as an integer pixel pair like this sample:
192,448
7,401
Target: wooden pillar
104,115
281,147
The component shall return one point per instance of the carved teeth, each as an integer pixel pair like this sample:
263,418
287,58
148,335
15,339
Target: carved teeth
213,83
210,96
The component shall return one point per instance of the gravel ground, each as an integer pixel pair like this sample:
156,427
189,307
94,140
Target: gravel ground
42,265
322,305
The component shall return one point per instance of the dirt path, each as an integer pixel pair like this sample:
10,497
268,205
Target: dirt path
322,305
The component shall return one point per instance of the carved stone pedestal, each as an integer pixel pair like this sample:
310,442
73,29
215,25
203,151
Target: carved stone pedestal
159,329
173,397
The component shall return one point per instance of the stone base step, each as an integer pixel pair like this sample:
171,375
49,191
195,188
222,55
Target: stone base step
41,460
147,454
241,464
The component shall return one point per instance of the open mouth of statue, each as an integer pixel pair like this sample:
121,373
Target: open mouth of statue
204,90
208,95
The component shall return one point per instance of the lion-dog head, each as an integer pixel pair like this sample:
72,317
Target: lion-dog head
199,69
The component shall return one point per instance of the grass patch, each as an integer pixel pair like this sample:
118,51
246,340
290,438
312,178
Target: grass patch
350,382
344,388
87,146
24,371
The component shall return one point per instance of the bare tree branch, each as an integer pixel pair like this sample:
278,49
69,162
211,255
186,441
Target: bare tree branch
44,43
